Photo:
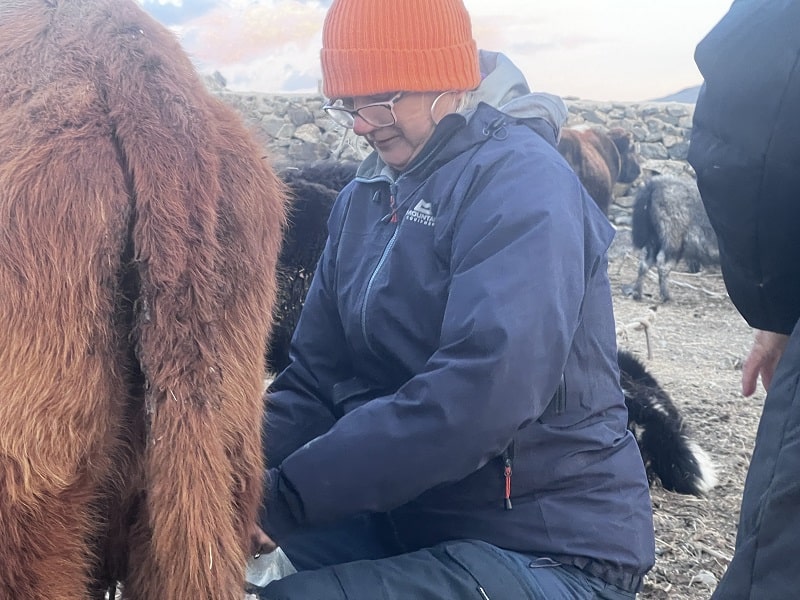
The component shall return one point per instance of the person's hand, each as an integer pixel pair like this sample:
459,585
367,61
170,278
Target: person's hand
260,542
767,350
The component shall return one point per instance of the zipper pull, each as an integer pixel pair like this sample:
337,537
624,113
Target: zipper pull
392,216
496,129
507,472
393,207
508,458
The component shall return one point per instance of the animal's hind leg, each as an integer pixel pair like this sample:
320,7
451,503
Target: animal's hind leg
664,267
635,289
44,553
204,546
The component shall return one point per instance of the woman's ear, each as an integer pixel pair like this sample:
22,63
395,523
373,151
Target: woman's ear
447,103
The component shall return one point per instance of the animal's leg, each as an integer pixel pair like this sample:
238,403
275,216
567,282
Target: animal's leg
664,266
635,290
56,467
44,552
123,509
198,548
141,567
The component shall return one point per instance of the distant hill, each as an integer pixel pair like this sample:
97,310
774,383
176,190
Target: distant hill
688,95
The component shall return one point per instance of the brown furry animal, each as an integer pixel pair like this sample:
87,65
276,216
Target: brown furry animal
139,232
600,158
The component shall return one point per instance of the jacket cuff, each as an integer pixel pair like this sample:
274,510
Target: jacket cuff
282,510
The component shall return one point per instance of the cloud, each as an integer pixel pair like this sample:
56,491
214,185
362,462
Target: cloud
174,12
621,50
230,36
266,45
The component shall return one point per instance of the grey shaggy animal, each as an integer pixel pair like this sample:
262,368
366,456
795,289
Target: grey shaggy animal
669,225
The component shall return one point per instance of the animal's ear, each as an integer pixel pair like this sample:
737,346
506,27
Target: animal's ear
623,139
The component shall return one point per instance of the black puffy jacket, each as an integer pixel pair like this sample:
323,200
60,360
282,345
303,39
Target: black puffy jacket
745,148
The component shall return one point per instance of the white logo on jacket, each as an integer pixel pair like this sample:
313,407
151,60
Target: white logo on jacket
422,213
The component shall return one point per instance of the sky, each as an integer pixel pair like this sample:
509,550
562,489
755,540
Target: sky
616,50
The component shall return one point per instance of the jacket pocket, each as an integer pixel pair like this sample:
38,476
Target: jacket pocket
562,411
484,565
351,393
558,403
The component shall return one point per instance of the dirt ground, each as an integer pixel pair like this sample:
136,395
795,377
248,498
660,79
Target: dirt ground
698,342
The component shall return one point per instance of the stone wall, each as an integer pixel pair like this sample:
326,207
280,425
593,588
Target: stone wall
294,129
660,130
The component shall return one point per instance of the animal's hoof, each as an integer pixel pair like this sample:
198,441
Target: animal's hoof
631,292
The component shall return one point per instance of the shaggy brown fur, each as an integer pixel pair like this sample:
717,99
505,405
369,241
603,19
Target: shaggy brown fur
139,232
600,158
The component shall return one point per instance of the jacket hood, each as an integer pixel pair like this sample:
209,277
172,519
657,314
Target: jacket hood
504,87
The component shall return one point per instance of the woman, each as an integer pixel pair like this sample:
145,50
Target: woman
451,423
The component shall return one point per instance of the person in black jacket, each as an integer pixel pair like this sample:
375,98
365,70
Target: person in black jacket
745,148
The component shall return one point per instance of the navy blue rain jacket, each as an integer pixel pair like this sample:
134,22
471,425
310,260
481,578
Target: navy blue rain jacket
472,319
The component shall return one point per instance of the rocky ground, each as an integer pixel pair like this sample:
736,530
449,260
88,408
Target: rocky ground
698,343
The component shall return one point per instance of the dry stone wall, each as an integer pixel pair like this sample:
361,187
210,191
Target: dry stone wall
294,129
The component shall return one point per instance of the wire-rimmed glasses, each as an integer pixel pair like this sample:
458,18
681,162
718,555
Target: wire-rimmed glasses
377,114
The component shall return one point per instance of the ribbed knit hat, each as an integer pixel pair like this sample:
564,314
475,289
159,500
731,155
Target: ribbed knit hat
374,46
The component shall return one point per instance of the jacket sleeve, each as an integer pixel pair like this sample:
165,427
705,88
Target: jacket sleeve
519,271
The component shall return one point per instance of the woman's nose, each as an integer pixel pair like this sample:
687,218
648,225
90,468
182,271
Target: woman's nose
361,127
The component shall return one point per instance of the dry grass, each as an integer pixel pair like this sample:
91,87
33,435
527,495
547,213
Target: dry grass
698,343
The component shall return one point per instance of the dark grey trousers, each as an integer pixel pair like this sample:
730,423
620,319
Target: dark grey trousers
766,562
350,563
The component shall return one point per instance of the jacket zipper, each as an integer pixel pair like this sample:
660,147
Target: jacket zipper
392,204
391,217
560,398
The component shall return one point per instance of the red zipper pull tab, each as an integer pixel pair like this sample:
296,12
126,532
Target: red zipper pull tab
393,208
508,459
507,473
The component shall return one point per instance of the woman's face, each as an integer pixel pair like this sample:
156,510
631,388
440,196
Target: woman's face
398,144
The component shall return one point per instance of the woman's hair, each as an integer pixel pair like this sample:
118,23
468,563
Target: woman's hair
371,47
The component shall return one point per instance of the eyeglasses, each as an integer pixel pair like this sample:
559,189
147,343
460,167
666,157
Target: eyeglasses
377,114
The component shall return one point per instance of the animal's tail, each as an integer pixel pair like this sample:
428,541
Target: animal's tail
667,450
206,236
642,231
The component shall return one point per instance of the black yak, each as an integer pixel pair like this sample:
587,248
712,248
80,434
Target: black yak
670,224
313,187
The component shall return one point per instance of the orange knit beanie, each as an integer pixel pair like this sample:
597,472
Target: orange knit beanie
374,46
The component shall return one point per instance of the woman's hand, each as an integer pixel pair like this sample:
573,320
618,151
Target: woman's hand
260,542
767,350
